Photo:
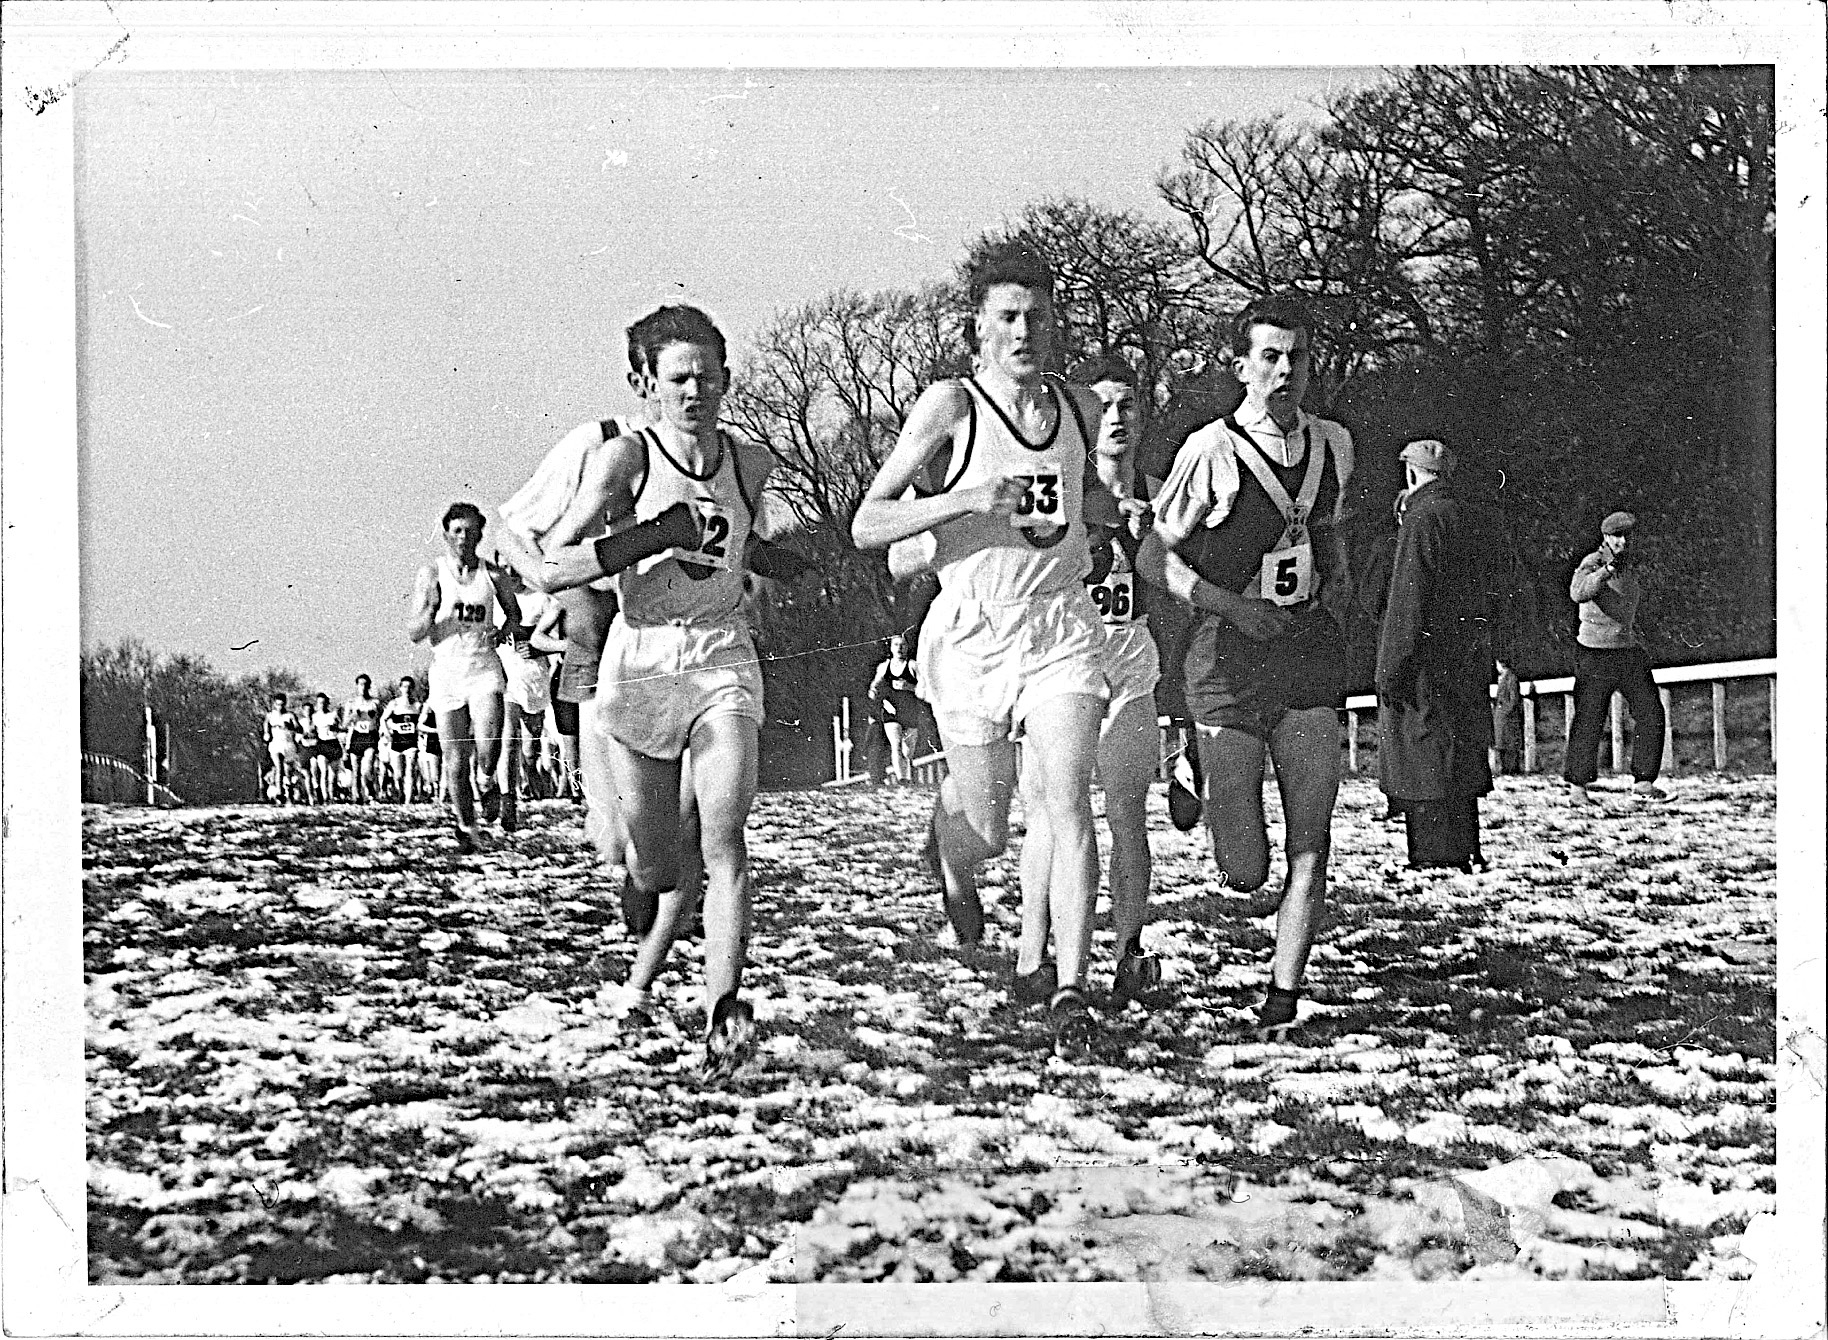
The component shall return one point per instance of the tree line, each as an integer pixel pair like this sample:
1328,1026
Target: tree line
1566,273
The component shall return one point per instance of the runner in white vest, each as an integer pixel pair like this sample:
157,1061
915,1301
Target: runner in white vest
679,665
456,601
1128,739
997,466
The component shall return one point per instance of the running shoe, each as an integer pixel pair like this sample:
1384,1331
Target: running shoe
491,803
1137,972
1074,1028
632,1006
639,908
1037,987
727,1036
1649,791
1276,1015
510,814
964,911
1184,806
467,844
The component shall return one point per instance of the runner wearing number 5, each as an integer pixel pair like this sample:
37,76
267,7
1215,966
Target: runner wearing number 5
1128,739
1246,532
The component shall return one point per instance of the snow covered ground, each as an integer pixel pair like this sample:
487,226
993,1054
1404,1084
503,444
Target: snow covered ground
321,1046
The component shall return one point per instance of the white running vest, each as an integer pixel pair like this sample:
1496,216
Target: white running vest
991,557
695,586
463,629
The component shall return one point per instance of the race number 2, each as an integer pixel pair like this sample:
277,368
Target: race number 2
713,549
1287,575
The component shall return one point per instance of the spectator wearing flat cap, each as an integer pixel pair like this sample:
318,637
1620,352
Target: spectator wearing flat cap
1610,657
1435,667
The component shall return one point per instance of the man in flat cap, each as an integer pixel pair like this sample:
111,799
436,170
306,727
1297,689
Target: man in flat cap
1435,668
1610,657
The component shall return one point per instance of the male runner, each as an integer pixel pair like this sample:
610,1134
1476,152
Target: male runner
528,694
281,730
997,463
324,749
528,519
400,723
895,708
679,667
1245,532
1129,740
362,737
431,755
456,599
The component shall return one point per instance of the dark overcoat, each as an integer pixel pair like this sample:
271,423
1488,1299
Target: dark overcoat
1434,654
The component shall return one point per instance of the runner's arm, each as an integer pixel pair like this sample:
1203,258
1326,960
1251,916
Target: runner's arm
511,629
1158,563
425,604
545,633
885,516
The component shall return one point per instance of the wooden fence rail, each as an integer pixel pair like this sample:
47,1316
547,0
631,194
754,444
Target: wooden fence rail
109,781
1533,691
929,768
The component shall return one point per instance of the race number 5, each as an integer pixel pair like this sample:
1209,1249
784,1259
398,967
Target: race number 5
1287,575
1039,506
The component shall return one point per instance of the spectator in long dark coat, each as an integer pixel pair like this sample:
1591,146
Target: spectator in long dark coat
1435,669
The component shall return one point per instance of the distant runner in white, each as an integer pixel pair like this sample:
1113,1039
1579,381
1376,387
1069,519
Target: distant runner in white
456,601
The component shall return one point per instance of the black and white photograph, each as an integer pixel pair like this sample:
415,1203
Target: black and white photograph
935,668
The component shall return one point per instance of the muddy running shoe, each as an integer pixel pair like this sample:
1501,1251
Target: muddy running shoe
1137,973
727,1037
467,843
632,1006
510,814
1648,791
1276,1016
964,910
1037,987
1074,1028
490,803
1183,794
639,908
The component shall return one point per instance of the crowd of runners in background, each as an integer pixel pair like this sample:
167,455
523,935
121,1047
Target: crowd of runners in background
606,654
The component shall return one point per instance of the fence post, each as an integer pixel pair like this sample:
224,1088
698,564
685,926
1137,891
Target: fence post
1669,728
1351,739
1719,725
1567,720
151,756
1529,733
1618,732
1771,721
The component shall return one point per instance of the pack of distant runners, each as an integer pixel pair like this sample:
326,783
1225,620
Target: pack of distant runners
606,655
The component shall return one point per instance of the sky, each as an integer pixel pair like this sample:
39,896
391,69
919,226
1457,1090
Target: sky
315,308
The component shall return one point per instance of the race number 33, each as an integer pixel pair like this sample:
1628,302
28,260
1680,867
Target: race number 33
713,549
1287,575
1039,507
